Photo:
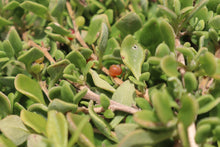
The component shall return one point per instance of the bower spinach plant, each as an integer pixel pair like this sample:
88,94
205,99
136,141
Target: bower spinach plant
56,88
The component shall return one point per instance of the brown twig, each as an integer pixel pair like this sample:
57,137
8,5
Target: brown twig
44,88
114,106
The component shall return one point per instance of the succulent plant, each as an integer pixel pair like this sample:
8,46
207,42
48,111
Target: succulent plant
109,73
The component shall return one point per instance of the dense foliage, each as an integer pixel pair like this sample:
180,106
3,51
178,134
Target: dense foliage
109,73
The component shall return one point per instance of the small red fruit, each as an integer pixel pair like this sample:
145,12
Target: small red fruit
115,70
73,32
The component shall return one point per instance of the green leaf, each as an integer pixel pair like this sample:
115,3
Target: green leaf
125,94
129,23
5,142
95,27
86,136
109,114
30,56
79,96
169,65
29,88
162,107
39,109
13,128
132,55
57,129
56,70
58,9
100,82
149,35
34,121
57,28
101,124
11,5
57,37
210,104
34,7
35,140
15,41
168,34
186,3
4,22
122,130
76,58
208,63
62,106
162,50
144,137
143,103
5,105
8,48
188,112
202,133
215,22
190,81
167,11
66,92
104,101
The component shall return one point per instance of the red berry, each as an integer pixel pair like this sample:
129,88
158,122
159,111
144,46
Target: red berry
73,32
115,70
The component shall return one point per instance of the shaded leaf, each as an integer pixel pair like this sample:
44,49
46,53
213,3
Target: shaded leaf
15,41
169,66
5,105
215,22
62,106
122,130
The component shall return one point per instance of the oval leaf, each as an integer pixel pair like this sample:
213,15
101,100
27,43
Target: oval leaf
169,66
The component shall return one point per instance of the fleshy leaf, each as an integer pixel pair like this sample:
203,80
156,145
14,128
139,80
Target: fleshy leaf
5,105
4,22
144,137
59,29
101,124
162,107
100,82
57,128
5,142
32,120
122,130
15,41
132,55
35,140
86,137
129,23
62,106
215,22
29,88
190,81
169,66
203,132
13,128
188,111
34,7
76,58
162,50
11,5
125,94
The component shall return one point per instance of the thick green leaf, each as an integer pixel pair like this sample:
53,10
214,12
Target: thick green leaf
86,137
5,105
168,34
122,130
190,81
188,112
4,22
76,58
8,48
15,41
129,23
56,70
144,137
35,140
101,124
203,132
39,109
11,5
30,56
57,129
162,50
208,106
100,82
57,37
162,107
34,7
167,11
95,27
5,142
57,28
29,88
104,101
62,106
215,22
132,55
150,35
13,128
79,95
169,66
143,103
125,94
208,63
34,120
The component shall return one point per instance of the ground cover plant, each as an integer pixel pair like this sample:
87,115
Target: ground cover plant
123,73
